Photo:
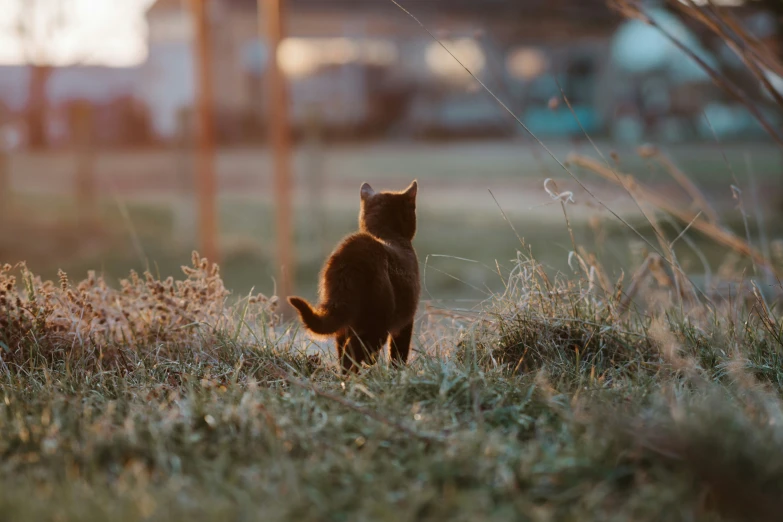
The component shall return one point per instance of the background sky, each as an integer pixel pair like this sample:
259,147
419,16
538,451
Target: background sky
62,32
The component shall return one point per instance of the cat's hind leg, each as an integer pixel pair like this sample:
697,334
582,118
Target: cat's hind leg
400,345
364,348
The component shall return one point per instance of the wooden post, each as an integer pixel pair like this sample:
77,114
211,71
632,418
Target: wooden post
5,171
185,216
205,182
5,179
271,16
86,191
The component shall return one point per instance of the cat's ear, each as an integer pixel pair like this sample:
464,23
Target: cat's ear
367,192
412,190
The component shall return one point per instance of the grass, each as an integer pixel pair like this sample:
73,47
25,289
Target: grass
250,169
547,403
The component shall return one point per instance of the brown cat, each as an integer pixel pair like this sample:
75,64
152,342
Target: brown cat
370,284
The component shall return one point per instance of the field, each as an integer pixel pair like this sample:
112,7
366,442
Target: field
146,212
554,377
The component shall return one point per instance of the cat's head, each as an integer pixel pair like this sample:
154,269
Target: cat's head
389,215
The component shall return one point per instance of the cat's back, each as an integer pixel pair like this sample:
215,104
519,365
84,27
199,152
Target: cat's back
403,273
359,250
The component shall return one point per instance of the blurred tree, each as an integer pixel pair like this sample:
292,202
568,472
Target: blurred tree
39,26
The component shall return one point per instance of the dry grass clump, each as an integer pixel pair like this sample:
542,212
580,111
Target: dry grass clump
541,321
528,342
640,327
58,319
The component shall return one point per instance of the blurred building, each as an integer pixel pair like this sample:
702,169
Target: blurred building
364,69
360,68
660,92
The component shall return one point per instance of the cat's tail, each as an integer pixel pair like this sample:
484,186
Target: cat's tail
324,321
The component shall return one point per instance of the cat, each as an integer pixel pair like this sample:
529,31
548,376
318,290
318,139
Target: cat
369,286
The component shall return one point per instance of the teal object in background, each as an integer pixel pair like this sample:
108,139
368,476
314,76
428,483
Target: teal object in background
561,122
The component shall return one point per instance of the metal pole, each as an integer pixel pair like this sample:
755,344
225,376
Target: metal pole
205,182
271,14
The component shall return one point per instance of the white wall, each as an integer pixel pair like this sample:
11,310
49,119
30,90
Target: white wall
167,84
